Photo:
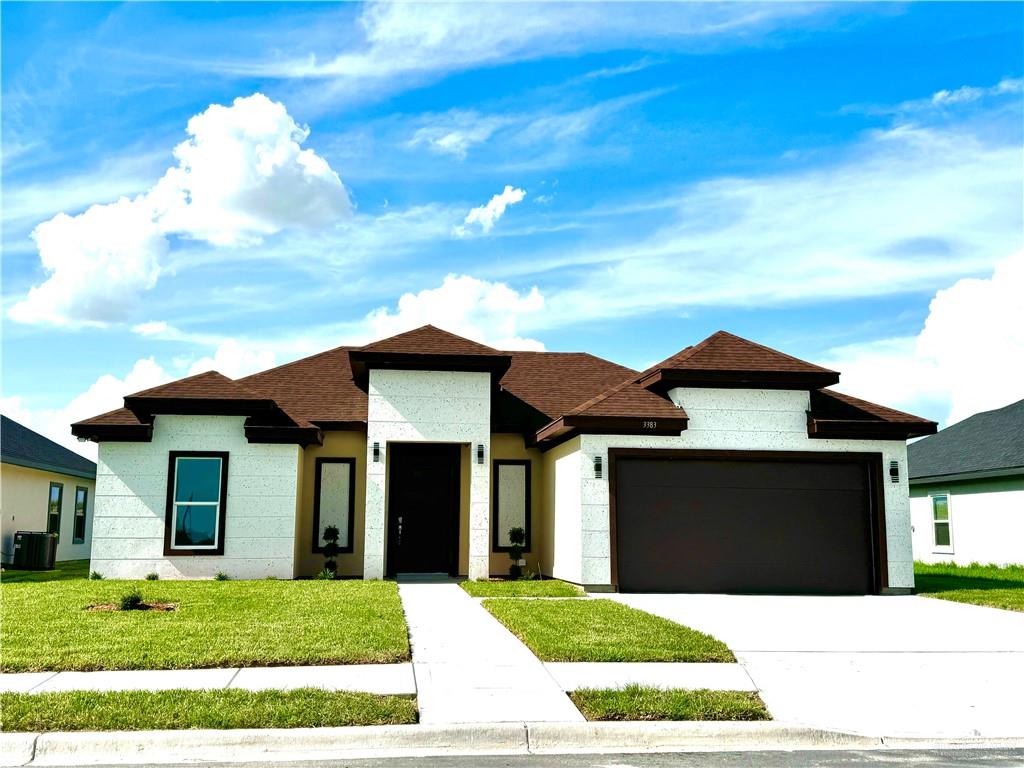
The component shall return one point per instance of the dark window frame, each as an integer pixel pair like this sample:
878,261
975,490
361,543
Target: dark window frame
317,477
496,465
172,463
60,507
75,538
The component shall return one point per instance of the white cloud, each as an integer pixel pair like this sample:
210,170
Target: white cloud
477,309
456,132
241,176
943,100
235,359
487,215
968,357
969,93
105,394
152,328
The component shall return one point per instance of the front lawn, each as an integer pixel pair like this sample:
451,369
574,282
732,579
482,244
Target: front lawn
233,708
602,630
215,624
987,585
637,702
522,588
66,569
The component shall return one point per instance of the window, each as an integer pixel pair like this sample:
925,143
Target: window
81,501
941,528
511,501
197,484
53,507
334,501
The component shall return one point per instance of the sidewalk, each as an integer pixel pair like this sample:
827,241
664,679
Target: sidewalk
469,668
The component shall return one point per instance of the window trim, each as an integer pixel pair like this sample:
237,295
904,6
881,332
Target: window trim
942,549
172,463
320,461
496,465
85,515
60,507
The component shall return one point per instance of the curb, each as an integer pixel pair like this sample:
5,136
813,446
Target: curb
288,744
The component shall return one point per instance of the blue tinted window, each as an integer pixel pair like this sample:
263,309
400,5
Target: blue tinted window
195,525
198,479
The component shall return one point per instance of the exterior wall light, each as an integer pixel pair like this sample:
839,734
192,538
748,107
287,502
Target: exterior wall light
598,468
479,453
894,471
376,453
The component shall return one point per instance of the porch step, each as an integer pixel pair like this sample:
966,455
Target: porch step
425,578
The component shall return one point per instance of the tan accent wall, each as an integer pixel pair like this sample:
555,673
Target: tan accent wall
547,553
511,446
336,445
24,497
465,477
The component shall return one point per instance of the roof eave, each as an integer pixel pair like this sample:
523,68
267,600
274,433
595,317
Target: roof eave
858,429
954,477
145,408
362,360
611,425
664,379
45,466
113,433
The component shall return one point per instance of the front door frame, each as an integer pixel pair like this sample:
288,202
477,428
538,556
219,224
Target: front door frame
454,517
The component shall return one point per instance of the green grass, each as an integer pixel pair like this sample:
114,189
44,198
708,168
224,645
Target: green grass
636,702
216,624
162,710
987,585
522,588
602,630
66,569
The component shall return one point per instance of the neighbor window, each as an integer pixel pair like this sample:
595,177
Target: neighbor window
196,490
941,523
334,501
53,506
81,502
511,501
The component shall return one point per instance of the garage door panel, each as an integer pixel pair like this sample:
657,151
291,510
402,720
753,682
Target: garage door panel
709,526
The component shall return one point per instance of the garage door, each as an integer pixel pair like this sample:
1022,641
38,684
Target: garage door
744,525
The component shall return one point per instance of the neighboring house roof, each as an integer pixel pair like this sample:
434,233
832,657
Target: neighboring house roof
21,446
544,395
991,442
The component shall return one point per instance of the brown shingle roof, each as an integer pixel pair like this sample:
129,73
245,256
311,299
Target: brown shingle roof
207,386
628,399
428,340
723,351
820,404
118,417
556,382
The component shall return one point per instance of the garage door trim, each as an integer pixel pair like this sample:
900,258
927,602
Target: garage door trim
876,497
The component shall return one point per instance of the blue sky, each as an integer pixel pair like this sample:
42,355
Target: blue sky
842,182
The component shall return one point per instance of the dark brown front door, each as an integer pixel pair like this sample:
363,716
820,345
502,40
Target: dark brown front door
423,508
735,525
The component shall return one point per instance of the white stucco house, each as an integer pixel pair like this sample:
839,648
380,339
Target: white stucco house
967,490
727,467
44,487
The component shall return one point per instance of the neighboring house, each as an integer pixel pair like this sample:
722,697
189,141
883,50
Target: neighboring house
967,490
727,467
44,487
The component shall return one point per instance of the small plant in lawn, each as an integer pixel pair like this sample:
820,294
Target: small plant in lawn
517,544
221,576
152,577
130,601
330,549
326,574
96,576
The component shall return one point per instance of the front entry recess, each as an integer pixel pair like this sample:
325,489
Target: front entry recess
423,508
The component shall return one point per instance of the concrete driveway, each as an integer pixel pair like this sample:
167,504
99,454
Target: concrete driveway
873,665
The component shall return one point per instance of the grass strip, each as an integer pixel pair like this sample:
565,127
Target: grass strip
522,588
988,585
636,702
185,709
602,630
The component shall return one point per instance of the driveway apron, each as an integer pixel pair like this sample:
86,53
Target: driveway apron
469,668
898,666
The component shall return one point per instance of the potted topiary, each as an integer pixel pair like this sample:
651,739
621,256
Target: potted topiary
517,544
330,550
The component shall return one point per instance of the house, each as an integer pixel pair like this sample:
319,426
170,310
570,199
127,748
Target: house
727,467
967,490
44,487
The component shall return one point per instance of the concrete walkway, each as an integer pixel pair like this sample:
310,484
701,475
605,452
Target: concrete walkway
368,678
469,668
571,676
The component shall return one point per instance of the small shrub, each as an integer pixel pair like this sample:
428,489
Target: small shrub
270,578
517,542
221,576
326,575
331,549
152,577
130,601
96,576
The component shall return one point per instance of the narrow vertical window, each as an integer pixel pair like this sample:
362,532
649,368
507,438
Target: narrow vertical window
196,503
334,501
53,507
81,504
511,501
941,523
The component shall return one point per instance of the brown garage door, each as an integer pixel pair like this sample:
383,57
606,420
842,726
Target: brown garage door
745,524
